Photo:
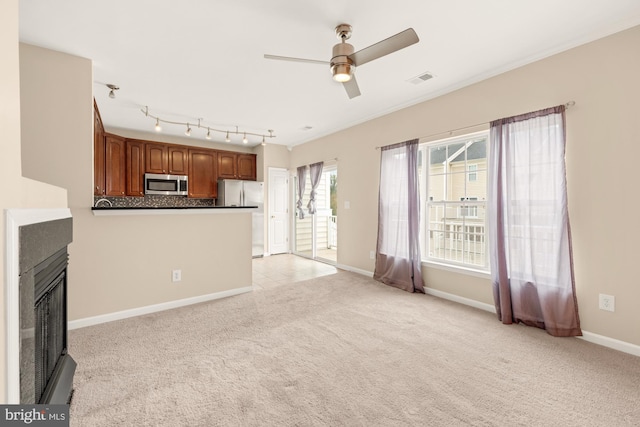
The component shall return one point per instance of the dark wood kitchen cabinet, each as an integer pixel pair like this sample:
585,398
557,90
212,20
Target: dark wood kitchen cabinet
233,165
115,165
227,165
166,159
247,166
134,161
98,152
203,183
178,160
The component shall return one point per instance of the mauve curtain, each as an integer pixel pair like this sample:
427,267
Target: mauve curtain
315,172
398,250
529,234
302,181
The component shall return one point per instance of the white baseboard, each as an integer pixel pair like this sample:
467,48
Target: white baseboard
118,315
461,300
612,343
615,344
354,270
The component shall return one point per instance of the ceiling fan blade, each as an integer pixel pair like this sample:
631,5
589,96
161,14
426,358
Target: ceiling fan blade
288,58
351,87
385,47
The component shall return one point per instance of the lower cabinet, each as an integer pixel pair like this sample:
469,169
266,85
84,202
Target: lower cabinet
202,174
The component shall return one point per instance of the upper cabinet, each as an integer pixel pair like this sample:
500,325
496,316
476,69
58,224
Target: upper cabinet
178,160
227,165
232,165
247,166
166,159
134,161
156,158
203,181
115,165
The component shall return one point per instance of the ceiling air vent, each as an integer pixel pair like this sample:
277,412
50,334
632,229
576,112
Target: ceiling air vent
421,78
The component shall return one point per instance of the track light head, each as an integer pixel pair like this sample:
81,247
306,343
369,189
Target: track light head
244,139
208,134
112,90
158,127
188,131
227,139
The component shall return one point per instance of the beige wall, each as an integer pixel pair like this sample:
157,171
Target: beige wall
602,152
20,192
118,262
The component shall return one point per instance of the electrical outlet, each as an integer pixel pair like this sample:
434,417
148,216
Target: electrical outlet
176,275
372,254
607,302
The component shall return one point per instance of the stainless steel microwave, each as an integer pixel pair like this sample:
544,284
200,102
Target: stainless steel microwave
168,185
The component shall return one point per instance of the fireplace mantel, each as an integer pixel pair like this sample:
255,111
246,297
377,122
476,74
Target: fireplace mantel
15,218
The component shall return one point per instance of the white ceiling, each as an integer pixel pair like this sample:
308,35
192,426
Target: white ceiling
204,59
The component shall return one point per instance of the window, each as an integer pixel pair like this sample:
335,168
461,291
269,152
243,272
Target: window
453,182
472,176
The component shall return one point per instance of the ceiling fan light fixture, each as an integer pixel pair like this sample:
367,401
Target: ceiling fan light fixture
342,72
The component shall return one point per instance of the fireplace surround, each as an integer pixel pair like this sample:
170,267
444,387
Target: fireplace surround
39,368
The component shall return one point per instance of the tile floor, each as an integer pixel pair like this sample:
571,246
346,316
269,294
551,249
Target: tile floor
284,269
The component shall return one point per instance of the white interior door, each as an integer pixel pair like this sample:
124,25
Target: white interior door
278,211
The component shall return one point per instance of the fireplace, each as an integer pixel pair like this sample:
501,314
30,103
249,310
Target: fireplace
37,253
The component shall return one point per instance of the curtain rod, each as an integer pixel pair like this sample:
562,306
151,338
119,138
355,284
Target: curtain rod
324,161
567,106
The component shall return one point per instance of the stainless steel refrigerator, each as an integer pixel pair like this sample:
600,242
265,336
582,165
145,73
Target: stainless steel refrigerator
236,192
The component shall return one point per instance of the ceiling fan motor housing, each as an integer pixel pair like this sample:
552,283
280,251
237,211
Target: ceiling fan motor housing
341,64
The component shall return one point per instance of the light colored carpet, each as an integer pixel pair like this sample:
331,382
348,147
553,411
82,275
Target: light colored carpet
343,350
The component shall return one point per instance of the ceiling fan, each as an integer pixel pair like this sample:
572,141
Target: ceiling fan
344,59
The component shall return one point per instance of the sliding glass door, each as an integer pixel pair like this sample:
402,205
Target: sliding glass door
316,236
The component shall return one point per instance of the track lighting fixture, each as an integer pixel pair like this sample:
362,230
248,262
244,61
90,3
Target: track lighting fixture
263,141
209,129
112,90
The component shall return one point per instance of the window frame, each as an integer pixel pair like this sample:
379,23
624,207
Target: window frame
466,202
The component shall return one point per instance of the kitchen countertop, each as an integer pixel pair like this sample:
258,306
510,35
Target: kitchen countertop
173,210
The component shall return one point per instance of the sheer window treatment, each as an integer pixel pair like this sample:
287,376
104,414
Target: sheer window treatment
315,172
398,250
302,181
529,234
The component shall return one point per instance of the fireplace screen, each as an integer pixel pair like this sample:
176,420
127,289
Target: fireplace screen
50,331
46,369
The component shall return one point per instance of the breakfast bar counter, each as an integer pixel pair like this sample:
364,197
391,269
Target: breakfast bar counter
174,210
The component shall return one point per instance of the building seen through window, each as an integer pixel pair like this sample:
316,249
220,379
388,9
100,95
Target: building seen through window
453,185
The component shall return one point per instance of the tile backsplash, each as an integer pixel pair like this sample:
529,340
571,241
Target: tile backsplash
152,201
